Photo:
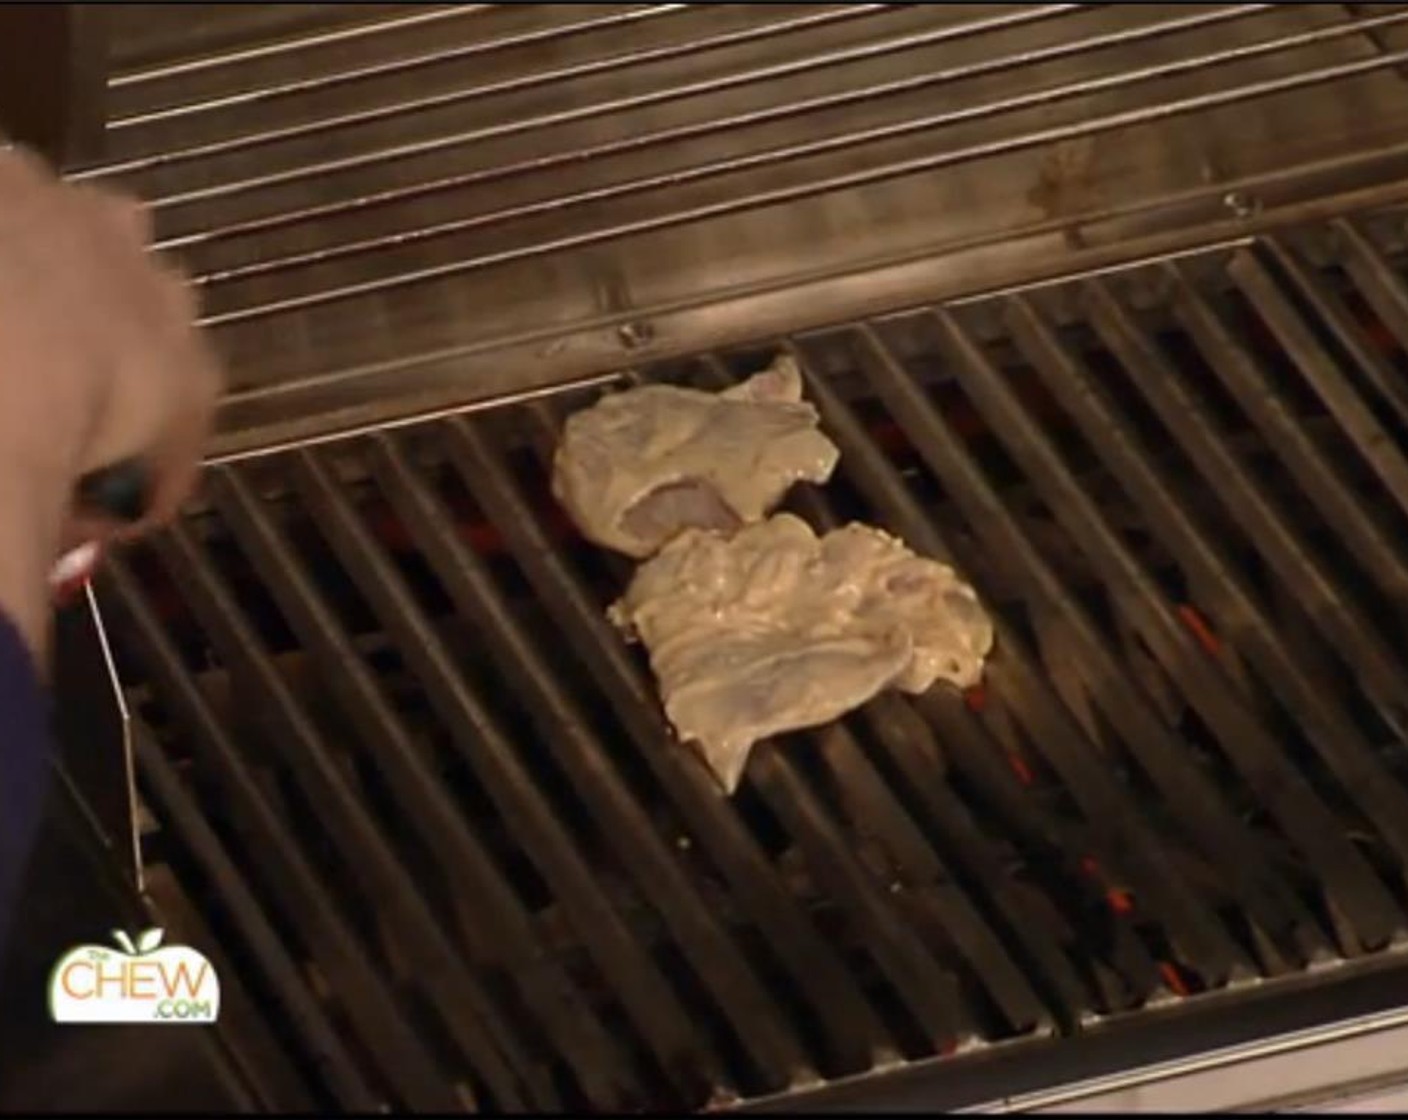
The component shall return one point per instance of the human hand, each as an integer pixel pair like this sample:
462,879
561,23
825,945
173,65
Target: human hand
100,361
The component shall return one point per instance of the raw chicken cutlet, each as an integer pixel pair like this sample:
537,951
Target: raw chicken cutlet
640,467
775,629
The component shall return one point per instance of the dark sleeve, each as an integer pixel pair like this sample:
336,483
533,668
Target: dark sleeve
24,765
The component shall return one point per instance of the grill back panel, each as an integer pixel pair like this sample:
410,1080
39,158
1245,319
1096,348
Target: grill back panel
434,205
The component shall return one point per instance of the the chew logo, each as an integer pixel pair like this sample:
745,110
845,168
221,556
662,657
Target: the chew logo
141,983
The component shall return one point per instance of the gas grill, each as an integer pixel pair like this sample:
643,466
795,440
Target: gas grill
1103,304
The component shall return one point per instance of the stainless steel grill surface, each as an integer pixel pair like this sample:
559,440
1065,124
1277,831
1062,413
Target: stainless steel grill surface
1145,388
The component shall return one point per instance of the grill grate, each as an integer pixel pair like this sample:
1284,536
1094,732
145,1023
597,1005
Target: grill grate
377,207
439,814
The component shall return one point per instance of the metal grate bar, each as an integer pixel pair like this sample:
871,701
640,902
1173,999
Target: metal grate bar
505,926
890,944
865,465
850,1024
928,992
811,188
395,1047
911,744
887,496
401,67
834,183
1382,288
900,956
1244,378
612,62
1330,307
584,757
176,806
350,825
1201,803
1138,969
294,45
910,970
856,780
1345,875
920,871
852,776
576,156
1249,505
644,992
1304,692
1323,375
1127,839
677,178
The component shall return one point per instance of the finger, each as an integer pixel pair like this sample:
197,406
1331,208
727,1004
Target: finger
180,295
177,473
171,453
19,165
86,528
28,186
164,382
176,461
126,216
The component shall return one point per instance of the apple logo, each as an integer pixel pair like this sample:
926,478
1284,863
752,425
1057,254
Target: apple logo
141,982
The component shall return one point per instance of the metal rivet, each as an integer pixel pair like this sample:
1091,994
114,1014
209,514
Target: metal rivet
635,335
1241,204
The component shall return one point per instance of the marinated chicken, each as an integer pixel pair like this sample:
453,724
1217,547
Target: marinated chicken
773,629
640,467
